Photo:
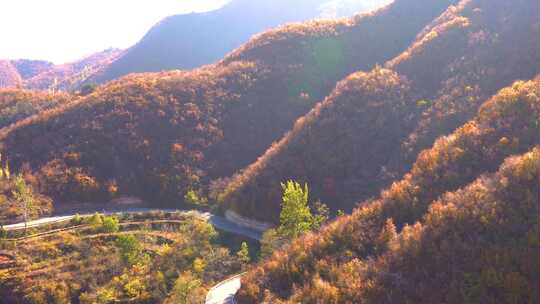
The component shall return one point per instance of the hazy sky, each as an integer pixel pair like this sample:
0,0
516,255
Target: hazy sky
66,30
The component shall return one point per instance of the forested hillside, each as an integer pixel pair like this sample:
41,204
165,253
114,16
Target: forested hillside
371,254
369,130
161,135
17,104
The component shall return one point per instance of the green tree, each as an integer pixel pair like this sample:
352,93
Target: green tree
243,254
24,196
295,217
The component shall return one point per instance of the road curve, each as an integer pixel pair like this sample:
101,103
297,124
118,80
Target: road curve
223,293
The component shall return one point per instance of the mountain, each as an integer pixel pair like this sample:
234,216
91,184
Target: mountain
70,76
161,135
192,40
368,132
9,76
44,75
178,42
451,242
30,68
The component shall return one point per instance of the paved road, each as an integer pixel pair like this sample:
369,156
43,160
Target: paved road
219,222
224,292
36,223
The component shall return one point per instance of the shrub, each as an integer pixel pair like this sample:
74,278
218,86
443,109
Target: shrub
76,220
194,198
187,289
110,224
130,248
270,241
96,220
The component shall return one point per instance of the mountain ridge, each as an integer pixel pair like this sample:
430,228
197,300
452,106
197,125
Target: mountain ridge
440,100
233,107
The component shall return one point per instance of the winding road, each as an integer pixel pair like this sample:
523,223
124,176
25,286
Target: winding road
219,222
222,293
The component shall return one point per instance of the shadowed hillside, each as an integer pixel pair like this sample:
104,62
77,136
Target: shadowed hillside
334,258
366,134
192,40
160,135
30,68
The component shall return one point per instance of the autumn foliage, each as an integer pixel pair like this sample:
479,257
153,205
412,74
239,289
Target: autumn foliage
369,130
432,142
17,104
508,124
162,135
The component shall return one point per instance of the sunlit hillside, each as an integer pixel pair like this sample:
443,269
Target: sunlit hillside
369,130
179,131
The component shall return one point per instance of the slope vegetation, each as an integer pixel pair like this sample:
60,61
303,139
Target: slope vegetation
482,221
160,135
16,104
368,132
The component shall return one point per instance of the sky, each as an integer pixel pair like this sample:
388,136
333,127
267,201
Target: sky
66,30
